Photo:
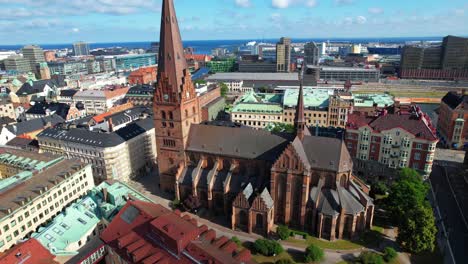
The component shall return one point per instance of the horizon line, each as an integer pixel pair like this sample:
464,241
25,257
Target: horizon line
240,39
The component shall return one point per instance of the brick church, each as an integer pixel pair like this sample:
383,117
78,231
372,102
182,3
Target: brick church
254,177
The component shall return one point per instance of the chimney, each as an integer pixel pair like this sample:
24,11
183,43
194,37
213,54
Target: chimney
110,124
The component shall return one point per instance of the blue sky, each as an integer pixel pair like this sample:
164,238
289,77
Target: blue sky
66,21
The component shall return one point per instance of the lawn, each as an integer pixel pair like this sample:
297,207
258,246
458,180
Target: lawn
263,259
367,239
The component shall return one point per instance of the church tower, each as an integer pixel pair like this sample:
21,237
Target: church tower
175,103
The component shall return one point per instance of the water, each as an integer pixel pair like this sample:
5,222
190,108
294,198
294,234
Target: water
205,46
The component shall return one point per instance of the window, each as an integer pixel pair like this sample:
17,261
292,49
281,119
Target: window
418,146
417,156
20,218
8,238
13,223
6,228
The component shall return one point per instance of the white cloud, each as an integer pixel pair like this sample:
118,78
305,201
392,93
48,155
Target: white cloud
287,3
281,3
376,10
361,20
75,30
243,3
344,2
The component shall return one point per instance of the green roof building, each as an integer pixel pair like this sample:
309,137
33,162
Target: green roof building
69,233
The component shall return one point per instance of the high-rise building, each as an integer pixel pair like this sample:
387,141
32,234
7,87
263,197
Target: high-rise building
80,49
283,55
35,55
175,102
312,54
455,53
447,62
452,126
17,64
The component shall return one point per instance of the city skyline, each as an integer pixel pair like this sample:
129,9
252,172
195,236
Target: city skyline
130,21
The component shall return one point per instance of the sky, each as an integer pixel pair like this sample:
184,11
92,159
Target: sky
67,21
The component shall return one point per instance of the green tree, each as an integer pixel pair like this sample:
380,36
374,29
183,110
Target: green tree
378,188
417,231
236,240
368,257
389,254
280,128
283,232
407,192
314,254
224,89
267,247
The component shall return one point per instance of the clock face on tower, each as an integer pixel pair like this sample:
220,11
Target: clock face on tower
187,94
166,97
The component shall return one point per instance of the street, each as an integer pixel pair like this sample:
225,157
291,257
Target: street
451,193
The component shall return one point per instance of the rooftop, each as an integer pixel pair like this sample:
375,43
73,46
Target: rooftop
254,76
369,100
315,98
29,252
70,226
413,120
29,184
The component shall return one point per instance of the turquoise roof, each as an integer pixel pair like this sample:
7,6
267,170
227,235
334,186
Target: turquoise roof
81,217
368,100
267,103
316,98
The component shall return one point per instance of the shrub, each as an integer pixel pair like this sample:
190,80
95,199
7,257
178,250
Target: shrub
389,254
314,253
368,257
236,240
267,247
176,204
283,232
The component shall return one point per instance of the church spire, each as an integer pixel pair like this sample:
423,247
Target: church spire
174,80
299,120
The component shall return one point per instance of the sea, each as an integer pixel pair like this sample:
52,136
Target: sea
206,46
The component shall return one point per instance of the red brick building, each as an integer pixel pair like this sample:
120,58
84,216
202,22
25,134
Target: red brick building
145,75
398,137
253,177
149,233
452,126
196,61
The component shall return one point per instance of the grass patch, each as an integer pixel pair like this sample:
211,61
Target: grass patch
335,245
264,259
378,229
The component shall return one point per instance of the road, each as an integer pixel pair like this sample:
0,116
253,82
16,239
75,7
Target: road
451,193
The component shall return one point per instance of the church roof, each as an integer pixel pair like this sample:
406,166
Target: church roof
323,153
243,143
266,197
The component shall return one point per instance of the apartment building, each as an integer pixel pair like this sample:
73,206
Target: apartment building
6,107
258,110
397,138
100,101
120,154
452,126
34,188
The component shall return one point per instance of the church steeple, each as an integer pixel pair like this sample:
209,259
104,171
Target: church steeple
175,105
299,120
174,80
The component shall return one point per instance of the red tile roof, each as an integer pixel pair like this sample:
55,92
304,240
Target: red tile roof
198,57
413,121
148,233
116,109
29,252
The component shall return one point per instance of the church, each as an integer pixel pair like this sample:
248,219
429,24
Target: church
255,178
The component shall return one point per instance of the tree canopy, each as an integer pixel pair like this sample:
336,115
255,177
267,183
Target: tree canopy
412,213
